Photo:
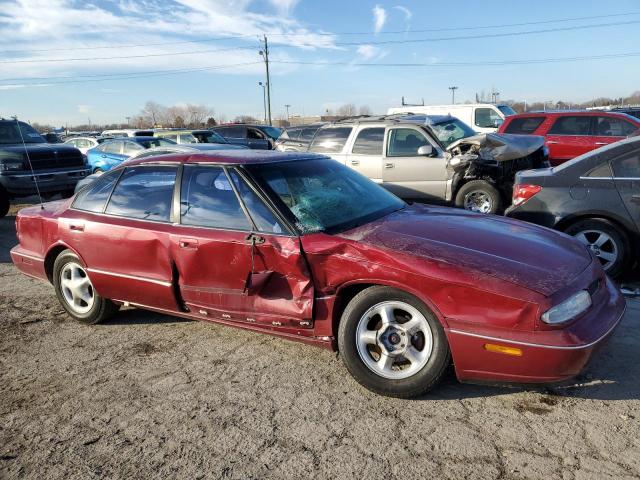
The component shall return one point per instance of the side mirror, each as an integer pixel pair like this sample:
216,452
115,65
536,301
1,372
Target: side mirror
425,150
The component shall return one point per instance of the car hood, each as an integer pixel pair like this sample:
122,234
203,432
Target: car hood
520,253
500,147
36,147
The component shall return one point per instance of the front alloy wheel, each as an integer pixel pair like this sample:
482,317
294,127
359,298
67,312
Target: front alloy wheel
392,343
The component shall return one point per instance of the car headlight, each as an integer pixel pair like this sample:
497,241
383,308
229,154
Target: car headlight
570,308
10,166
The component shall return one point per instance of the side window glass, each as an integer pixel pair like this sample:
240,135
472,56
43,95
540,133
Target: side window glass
330,140
487,118
131,147
601,171
405,142
255,134
369,142
262,216
612,127
308,133
94,196
207,200
578,125
627,166
144,193
113,147
524,125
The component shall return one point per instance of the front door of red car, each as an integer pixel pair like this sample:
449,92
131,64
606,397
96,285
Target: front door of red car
235,260
568,137
609,129
125,242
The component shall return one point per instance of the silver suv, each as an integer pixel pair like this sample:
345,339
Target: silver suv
435,158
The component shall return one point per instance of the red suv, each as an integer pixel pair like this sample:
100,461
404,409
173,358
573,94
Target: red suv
572,133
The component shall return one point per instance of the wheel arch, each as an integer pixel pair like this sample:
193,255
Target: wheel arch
347,291
50,258
566,222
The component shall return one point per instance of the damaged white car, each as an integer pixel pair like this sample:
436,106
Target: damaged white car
436,159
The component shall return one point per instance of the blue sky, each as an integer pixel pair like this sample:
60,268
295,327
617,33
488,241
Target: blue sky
40,38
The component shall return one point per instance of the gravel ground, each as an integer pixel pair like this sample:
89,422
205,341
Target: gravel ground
146,394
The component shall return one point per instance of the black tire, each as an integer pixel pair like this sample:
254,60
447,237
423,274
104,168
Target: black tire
479,187
618,243
415,385
101,309
5,202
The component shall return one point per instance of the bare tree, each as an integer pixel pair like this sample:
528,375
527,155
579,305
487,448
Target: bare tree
347,110
245,119
154,113
364,110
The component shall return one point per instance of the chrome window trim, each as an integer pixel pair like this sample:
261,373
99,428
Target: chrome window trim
63,172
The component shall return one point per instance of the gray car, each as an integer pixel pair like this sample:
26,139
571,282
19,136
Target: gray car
594,197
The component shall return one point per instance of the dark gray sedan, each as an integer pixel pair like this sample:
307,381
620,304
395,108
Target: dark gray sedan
594,197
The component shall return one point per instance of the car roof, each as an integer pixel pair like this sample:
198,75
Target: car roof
394,118
573,113
232,157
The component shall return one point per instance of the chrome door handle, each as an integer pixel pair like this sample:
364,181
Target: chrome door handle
551,142
355,162
188,243
388,165
76,227
601,143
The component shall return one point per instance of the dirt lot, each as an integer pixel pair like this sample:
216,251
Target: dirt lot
148,395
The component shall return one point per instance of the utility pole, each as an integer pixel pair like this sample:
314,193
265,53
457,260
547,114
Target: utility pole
265,54
127,118
287,107
453,94
264,100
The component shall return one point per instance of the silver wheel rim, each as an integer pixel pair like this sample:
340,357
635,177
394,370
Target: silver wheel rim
394,340
478,201
601,244
76,288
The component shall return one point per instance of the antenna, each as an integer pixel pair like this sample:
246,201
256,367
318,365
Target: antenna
26,152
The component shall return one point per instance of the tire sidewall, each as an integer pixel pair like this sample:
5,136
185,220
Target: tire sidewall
415,385
93,315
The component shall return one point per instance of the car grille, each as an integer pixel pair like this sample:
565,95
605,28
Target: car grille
59,159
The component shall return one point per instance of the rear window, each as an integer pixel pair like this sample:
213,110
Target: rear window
524,125
613,127
95,195
330,140
573,125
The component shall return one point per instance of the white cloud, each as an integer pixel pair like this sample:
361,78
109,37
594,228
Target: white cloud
84,108
65,29
369,52
407,13
379,18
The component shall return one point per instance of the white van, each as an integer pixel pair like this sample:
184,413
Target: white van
482,117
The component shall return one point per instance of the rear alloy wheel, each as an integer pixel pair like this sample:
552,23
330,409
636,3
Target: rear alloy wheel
605,241
392,343
478,196
76,293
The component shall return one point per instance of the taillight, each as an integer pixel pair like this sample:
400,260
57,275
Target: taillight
522,193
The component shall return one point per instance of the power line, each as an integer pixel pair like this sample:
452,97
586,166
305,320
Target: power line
332,34
134,75
466,64
384,42
488,35
166,54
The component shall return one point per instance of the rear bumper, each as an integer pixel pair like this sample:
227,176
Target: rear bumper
29,263
563,354
49,181
539,216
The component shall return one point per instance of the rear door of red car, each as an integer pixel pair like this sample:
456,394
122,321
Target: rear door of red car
610,129
235,259
568,137
123,233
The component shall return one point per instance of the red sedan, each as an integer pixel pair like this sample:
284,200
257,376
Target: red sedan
570,133
299,246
